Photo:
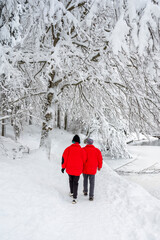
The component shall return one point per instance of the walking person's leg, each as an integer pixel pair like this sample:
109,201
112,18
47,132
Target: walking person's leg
91,188
85,184
71,184
75,186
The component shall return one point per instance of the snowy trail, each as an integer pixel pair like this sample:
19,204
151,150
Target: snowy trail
37,206
34,204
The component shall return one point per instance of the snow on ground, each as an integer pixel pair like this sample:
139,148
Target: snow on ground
34,201
151,182
143,169
144,159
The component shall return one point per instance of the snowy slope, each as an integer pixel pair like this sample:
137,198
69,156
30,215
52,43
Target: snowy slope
34,201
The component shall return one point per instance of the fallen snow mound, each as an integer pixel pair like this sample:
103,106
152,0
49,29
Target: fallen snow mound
11,149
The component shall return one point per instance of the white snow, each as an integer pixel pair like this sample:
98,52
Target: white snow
118,42
143,169
35,205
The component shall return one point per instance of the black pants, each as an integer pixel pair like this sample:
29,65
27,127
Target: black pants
73,183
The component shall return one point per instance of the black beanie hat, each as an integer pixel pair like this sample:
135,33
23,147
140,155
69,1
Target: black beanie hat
76,138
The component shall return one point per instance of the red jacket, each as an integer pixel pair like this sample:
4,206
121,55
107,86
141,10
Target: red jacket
94,160
73,159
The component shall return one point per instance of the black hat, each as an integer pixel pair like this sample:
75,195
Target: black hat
76,138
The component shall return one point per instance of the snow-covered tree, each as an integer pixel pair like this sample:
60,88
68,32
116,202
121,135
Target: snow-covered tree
83,65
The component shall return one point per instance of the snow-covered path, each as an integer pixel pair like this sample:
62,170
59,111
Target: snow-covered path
34,203
36,206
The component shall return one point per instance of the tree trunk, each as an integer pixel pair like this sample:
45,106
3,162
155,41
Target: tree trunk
17,123
65,121
48,114
30,120
58,118
3,128
3,106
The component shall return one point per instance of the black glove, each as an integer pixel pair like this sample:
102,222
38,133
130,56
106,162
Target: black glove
62,170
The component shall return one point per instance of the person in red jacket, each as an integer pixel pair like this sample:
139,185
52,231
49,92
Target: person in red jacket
94,161
73,160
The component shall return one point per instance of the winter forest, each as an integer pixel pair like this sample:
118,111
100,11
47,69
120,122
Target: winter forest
87,67
81,65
